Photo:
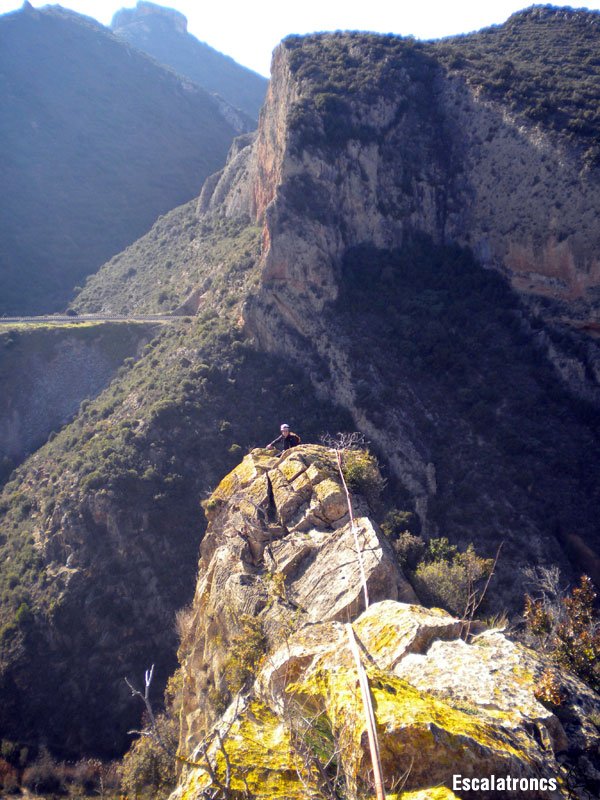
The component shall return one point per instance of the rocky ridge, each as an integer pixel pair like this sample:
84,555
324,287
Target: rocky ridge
367,149
271,705
434,357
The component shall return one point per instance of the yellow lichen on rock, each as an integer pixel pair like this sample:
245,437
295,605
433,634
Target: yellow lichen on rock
418,734
391,630
433,793
255,758
331,499
254,464
275,554
292,467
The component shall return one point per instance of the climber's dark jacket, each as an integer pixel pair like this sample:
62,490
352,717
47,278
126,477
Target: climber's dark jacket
291,440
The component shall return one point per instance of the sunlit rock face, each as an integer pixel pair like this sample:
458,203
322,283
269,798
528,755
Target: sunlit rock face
279,544
272,704
409,148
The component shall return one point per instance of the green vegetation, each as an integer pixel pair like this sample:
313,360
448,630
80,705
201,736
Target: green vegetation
48,370
336,69
245,651
447,578
409,549
149,769
441,574
544,63
362,475
120,489
178,255
47,777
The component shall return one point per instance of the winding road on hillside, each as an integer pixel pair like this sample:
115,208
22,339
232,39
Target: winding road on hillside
89,318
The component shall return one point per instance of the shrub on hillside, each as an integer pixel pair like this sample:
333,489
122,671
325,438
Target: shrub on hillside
9,778
409,549
448,578
44,775
245,651
568,626
148,769
362,475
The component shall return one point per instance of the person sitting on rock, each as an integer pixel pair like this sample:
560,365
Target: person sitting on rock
286,439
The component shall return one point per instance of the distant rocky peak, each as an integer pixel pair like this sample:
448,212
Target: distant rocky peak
143,10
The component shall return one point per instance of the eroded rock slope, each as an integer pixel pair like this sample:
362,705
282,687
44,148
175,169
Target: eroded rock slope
271,700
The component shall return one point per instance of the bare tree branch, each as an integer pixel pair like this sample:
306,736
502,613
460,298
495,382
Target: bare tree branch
475,600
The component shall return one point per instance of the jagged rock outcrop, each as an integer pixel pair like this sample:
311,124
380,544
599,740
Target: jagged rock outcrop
125,16
279,544
271,701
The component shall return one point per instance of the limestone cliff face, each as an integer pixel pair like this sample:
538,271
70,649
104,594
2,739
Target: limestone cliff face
271,701
384,150
531,204
424,153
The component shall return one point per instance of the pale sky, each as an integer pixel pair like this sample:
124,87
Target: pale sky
248,30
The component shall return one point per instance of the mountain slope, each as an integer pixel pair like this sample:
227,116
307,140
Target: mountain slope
543,62
162,33
351,267
99,529
98,140
373,172
166,267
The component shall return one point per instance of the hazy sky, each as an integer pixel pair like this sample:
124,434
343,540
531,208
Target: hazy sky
248,30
